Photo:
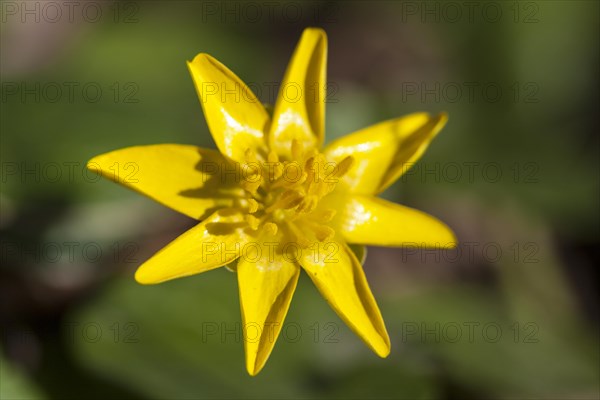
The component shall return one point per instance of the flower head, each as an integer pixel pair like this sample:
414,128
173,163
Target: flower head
272,201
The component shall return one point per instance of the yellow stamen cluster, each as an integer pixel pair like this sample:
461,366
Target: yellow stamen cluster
283,195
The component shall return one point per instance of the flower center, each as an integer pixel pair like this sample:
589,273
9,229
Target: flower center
283,195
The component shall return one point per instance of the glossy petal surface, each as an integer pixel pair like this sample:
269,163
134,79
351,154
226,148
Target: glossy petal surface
383,152
184,178
340,279
214,242
373,221
266,283
235,117
300,108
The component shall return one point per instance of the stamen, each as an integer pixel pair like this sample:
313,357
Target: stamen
275,169
308,165
308,204
289,199
252,206
311,153
290,181
252,221
251,183
323,232
270,228
343,166
322,215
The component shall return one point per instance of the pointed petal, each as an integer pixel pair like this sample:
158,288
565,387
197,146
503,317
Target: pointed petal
184,178
266,282
373,221
214,242
339,277
383,152
300,108
235,117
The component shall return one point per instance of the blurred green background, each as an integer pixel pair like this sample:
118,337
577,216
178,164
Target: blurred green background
512,313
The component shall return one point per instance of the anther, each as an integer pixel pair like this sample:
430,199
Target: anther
323,232
252,221
323,215
343,166
270,228
252,206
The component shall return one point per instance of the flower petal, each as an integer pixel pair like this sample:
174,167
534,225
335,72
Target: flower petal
339,277
184,178
383,152
266,282
300,107
214,242
235,117
360,251
373,221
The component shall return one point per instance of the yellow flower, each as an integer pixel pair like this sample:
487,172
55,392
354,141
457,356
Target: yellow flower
271,202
